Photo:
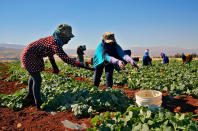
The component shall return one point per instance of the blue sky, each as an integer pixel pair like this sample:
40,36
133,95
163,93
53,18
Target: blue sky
142,23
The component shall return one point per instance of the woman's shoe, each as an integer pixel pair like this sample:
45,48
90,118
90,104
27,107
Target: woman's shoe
38,106
27,101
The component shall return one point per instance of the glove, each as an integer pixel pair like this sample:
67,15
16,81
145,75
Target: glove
128,59
121,64
136,66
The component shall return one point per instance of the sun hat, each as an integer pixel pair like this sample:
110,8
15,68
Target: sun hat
64,30
108,37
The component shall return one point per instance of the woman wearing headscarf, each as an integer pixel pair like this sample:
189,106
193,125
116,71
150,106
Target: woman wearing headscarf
186,59
107,55
146,58
32,59
165,58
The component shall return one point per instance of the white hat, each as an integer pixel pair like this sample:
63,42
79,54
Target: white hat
147,50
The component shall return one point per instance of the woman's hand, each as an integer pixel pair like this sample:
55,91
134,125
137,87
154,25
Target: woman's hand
121,64
136,66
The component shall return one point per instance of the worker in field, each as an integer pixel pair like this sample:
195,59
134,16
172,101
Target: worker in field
107,55
186,59
146,58
32,59
80,53
164,57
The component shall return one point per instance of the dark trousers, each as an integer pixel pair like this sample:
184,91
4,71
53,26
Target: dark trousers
34,84
108,74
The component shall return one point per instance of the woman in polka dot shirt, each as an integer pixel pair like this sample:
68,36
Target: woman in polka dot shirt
32,59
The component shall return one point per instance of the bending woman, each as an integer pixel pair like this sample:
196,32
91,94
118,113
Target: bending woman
32,59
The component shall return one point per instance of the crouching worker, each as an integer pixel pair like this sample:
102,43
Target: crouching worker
146,58
80,53
186,59
108,54
32,59
165,58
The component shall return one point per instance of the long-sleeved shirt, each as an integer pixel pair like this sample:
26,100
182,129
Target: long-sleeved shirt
147,60
165,58
32,55
99,59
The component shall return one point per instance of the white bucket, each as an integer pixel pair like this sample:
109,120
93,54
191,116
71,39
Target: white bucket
150,98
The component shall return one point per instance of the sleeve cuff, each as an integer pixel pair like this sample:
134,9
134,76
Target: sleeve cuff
128,59
113,60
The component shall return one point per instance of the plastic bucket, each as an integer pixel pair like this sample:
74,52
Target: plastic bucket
150,98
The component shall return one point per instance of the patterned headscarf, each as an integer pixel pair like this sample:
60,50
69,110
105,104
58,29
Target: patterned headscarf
60,42
162,54
147,52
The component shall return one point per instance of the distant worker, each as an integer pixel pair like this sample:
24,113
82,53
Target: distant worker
32,59
165,58
136,59
186,59
146,58
128,52
80,53
108,54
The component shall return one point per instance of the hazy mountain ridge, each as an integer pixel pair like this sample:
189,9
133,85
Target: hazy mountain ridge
14,51
13,46
10,53
139,51
168,50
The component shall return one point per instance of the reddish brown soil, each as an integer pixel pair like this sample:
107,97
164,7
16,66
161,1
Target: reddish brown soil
31,119
28,119
8,87
80,79
48,70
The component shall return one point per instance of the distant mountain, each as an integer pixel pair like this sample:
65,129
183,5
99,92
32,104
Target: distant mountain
14,51
10,53
168,50
13,46
139,51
